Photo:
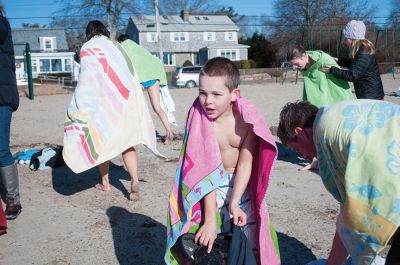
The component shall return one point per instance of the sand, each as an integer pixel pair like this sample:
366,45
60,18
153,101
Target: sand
66,221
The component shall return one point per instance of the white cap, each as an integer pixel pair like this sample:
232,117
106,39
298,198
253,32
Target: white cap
354,30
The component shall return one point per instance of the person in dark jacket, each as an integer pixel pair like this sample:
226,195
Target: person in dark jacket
9,101
364,69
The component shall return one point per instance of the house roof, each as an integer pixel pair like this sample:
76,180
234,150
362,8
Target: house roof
32,35
177,24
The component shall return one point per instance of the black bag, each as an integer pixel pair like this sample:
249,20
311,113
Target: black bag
49,157
189,253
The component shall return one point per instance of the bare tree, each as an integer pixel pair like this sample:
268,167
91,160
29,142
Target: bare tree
300,14
76,14
394,18
317,22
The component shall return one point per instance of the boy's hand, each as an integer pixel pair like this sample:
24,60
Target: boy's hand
239,217
206,235
326,69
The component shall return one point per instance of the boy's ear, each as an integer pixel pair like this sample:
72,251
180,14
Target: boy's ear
298,130
235,94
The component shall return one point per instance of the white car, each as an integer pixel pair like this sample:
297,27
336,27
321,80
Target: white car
186,76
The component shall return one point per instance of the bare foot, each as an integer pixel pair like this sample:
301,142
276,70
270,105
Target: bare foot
134,195
169,138
102,187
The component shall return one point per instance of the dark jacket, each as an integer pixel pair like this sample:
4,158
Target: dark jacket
364,72
8,83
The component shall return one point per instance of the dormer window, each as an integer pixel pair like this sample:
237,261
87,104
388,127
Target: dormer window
48,43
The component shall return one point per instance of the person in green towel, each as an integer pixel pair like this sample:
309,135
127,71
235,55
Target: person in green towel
151,74
320,89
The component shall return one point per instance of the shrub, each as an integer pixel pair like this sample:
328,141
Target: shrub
187,63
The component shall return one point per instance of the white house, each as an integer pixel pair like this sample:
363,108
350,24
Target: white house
193,37
49,51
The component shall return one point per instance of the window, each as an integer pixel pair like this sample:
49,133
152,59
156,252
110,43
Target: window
230,54
205,18
56,65
34,65
230,36
179,36
169,58
44,65
48,43
67,65
197,18
209,36
152,37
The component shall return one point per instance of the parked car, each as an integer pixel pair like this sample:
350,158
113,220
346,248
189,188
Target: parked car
186,76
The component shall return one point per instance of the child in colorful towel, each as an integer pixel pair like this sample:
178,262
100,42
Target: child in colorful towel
223,171
358,148
108,114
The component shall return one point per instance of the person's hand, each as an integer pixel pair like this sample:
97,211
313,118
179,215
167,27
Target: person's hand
325,69
336,59
313,166
206,235
239,217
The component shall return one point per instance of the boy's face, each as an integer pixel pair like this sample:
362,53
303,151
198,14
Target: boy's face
301,62
215,97
304,143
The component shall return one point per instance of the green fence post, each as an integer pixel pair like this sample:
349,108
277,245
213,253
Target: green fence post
29,70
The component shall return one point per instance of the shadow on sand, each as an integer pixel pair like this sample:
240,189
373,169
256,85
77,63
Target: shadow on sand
67,183
293,252
288,155
138,239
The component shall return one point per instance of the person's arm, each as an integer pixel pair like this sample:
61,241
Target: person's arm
3,29
242,177
358,67
208,231
344,62
338,253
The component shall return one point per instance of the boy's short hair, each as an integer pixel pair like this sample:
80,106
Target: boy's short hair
297,114
220,66
123,37
295,52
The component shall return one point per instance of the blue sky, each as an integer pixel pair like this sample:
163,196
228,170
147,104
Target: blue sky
43,8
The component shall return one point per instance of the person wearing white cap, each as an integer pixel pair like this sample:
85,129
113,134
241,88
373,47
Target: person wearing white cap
364,69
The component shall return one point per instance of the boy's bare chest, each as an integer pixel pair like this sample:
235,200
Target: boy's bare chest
230,136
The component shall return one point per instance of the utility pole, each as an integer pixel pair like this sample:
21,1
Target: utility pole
160,49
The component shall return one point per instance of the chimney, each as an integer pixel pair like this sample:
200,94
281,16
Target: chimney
185,15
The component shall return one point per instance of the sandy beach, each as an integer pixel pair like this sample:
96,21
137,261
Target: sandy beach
65,220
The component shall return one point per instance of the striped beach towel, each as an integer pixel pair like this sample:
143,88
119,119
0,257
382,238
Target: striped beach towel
108,112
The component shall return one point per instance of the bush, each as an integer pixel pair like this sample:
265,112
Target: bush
245,64
187,63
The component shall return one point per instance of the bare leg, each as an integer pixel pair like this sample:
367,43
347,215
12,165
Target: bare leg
105,182
154,95
130,160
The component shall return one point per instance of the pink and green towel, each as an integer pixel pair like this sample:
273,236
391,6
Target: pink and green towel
200,170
